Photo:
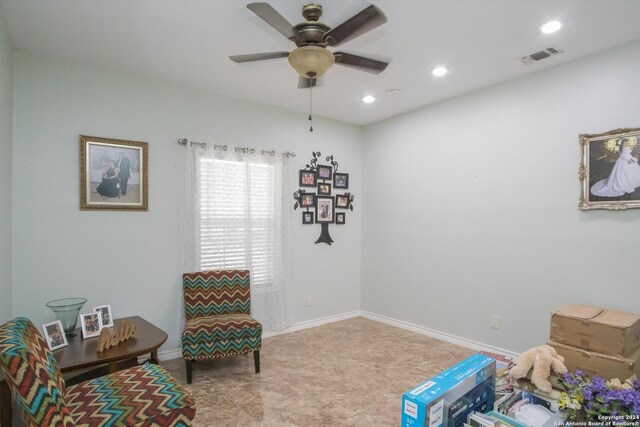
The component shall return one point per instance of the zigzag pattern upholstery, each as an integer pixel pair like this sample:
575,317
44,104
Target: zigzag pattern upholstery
215,293
217,308
144,395
141,396
213,337
32,373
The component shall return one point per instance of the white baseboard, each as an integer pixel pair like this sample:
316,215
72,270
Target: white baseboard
177,352
442,336
314,323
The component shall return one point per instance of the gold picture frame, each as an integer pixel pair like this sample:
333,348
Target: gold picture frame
609,171
113,174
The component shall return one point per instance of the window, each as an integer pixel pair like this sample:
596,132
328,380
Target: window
239,219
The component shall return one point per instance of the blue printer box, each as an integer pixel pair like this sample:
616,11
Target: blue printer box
446,399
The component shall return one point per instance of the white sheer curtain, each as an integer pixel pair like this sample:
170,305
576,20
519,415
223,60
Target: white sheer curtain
237,215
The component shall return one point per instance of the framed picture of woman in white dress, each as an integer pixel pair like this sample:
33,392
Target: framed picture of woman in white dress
609,171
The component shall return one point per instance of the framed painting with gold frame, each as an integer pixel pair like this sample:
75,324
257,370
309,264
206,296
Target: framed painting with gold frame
609,171
113,174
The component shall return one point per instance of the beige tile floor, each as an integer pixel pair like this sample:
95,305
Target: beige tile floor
348,373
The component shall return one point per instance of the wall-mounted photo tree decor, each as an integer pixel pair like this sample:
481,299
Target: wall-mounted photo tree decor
323,178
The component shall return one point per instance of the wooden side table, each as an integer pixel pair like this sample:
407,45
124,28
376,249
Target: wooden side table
82,354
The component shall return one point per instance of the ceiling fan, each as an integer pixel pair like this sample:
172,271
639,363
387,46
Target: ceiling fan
311,58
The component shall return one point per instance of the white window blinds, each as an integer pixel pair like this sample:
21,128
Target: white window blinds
239,224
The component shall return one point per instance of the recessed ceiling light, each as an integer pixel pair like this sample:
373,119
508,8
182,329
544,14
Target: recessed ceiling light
551,27
439,71
368,99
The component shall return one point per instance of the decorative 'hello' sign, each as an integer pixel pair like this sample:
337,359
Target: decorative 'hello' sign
125,330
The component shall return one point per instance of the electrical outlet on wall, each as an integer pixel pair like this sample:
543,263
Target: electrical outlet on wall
496,321
309,300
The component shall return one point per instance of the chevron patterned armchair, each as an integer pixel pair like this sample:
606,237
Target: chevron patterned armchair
217,307
144,395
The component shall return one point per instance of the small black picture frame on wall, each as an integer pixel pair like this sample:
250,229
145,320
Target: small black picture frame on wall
325,210
341,180
307,218
307,200
308,178
325,172
342,201
340,218
324,189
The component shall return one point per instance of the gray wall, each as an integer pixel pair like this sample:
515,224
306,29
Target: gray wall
6,135
471,206
131,260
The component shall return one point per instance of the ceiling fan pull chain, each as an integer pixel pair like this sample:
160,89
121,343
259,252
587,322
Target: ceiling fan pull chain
311,108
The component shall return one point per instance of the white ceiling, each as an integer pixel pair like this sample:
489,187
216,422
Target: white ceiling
187,42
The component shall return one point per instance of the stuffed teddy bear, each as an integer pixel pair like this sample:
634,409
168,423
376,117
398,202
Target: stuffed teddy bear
543,359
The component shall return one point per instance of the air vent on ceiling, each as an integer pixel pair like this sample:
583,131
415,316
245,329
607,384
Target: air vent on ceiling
538,56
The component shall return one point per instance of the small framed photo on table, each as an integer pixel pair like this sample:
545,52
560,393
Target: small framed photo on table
91,324
308,178
105,314
340,180
307,218
325,172
54,335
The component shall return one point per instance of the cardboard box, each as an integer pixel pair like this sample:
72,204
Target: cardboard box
602,365
446,399
591,328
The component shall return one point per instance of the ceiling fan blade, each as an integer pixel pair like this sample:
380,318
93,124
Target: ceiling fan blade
362,22
271,16
305,83
360,62
258,56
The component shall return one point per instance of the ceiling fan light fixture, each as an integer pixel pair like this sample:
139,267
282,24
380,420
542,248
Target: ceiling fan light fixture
311,61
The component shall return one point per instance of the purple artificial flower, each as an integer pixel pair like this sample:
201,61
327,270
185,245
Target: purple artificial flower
599,384
598,398
587,393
